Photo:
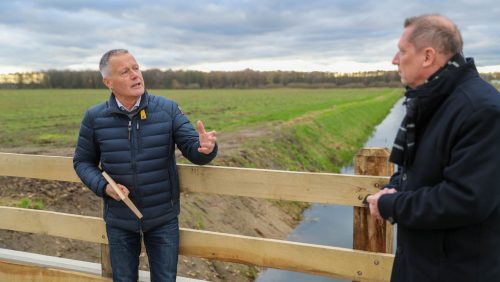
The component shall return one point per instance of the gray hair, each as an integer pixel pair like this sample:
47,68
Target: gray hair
103,64
436,31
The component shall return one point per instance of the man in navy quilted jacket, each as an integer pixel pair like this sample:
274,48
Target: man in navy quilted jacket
133,136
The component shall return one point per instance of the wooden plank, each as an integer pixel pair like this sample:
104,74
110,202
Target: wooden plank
79,227
38,166
306,258
122,196
259,183
326,188
371,234
10,271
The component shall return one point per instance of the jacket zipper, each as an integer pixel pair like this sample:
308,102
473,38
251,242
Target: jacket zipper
129,128
139,147
134,167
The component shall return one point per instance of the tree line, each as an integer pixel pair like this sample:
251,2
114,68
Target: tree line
188,79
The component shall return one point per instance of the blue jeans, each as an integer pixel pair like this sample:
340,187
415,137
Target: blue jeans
162,247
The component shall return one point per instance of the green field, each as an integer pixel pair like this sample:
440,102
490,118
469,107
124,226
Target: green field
307,124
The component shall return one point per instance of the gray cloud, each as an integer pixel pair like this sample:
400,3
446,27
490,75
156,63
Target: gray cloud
73,34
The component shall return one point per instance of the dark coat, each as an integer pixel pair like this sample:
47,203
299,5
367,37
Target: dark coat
447,208
138,152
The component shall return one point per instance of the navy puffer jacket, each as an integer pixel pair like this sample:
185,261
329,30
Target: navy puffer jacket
137,151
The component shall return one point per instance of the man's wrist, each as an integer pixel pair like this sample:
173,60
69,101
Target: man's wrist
386,205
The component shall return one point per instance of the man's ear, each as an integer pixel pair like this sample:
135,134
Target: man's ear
430,56
108,83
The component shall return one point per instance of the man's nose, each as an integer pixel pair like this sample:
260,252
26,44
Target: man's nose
134,73
395,60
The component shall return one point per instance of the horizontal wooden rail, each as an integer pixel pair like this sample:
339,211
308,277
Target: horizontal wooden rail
328,188
307,258
71,226
38,166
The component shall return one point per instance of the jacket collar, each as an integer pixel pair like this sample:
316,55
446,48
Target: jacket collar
429,96
113,106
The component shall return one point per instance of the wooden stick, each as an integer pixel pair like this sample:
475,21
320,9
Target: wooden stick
125,199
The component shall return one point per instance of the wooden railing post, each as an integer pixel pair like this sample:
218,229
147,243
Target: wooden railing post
105,258
371,234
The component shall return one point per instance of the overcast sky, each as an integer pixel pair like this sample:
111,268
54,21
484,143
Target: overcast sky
329,35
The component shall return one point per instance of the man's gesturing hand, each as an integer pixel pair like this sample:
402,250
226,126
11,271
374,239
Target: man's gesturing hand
207,139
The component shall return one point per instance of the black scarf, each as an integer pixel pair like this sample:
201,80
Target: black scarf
421,103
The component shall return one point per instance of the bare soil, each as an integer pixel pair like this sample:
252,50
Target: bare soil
236,215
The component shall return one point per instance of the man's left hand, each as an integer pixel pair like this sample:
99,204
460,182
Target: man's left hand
373,201
207,139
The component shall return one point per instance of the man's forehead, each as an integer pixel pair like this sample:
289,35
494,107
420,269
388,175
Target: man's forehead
404,39
122,60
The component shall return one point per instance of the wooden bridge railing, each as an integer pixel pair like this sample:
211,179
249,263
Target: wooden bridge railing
373,239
